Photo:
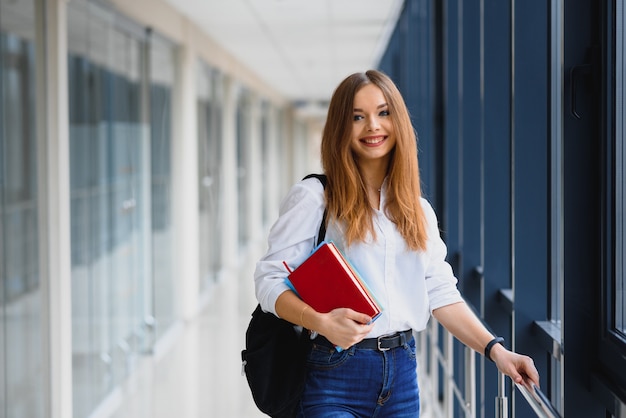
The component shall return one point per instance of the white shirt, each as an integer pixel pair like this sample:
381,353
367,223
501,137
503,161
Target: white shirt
408,284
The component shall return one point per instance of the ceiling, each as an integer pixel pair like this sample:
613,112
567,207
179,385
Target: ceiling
300,48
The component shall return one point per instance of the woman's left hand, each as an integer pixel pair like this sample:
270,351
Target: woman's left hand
518,367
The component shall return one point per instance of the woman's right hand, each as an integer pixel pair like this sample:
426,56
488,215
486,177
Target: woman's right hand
343,327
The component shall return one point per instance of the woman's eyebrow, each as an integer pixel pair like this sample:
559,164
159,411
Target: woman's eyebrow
380,106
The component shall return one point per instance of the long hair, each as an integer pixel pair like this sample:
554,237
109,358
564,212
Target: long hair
346,196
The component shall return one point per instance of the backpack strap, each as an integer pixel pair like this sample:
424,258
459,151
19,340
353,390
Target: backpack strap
321,177
322,232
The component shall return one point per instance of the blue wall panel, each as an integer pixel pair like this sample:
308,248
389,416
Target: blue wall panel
530,178
476,75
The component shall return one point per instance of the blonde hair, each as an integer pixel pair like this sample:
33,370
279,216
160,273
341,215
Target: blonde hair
346,196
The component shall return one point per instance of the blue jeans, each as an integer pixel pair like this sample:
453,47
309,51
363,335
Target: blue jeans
361,383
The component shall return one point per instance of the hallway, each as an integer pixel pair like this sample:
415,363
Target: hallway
191,375
196,371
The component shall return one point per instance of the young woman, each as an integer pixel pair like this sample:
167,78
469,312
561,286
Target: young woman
379,220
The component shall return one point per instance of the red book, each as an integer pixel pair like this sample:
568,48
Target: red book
326,281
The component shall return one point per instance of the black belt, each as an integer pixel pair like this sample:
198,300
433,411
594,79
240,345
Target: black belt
382,343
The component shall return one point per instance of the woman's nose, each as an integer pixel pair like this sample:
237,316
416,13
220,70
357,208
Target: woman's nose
372,124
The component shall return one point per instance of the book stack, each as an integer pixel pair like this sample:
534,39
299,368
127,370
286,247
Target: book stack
326,281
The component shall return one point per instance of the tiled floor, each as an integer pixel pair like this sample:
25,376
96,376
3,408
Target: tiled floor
199,374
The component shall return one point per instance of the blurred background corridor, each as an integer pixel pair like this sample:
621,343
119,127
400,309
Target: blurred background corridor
145,146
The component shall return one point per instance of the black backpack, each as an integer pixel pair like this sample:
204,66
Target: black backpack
274,359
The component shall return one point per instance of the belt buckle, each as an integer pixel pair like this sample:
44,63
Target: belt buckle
379,341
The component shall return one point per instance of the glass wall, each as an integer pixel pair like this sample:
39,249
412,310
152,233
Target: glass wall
111,212
265,159
620,195
21,377
162,75
209,105
609,350
243,158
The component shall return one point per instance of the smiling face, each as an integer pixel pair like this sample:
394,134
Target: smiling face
372,128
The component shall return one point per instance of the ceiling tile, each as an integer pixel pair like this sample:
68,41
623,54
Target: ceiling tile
302,49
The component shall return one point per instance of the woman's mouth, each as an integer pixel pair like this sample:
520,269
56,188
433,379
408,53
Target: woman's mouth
373,140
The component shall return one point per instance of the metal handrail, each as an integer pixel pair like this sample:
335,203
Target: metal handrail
465,394
502,402
538,401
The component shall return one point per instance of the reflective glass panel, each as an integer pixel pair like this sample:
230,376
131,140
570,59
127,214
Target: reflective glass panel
620,182
209,105
162,59
265,158
243,158
21,375
110,202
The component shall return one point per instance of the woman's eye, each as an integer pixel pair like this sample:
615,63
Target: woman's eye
357,117
384,113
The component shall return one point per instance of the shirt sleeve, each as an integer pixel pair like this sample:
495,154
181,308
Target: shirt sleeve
441,284
291,239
